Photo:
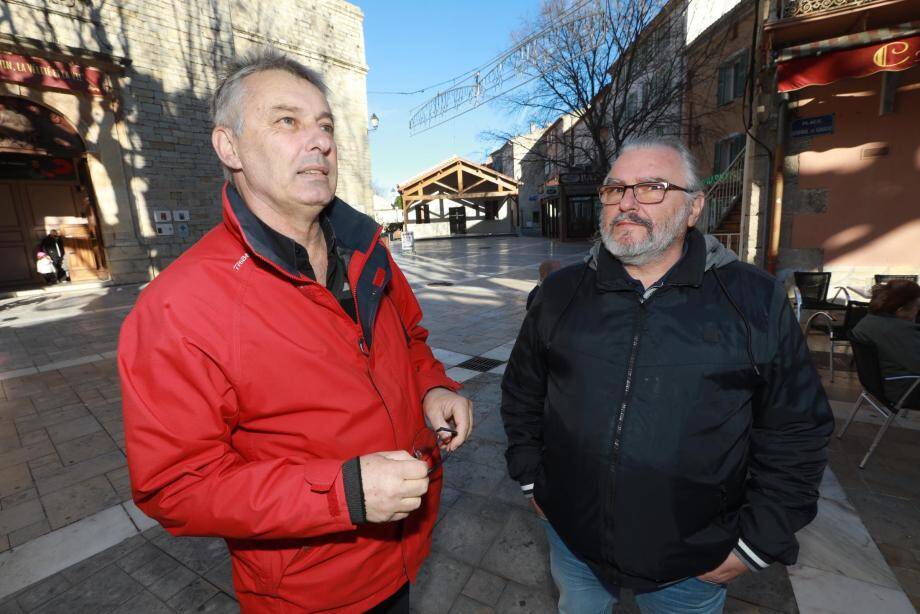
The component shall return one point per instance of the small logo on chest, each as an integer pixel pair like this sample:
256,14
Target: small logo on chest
240,262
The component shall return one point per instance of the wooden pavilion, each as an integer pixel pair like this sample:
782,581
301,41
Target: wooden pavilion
459,197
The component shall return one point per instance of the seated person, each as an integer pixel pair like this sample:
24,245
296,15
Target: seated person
891,327
546,267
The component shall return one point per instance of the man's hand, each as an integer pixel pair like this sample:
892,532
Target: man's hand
445,408
394,483
731,568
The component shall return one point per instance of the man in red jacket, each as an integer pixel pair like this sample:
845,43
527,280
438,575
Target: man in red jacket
276,379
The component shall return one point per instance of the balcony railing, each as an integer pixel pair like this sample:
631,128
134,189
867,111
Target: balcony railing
722,195
800,8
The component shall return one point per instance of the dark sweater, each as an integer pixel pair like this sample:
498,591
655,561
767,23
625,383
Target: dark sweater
898,343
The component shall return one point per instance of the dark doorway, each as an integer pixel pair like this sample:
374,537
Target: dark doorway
44,184
457,218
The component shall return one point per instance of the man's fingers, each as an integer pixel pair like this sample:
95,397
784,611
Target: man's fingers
409,504
413,488
397,455
412,469
464,420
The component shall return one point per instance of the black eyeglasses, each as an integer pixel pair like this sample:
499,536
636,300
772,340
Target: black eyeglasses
646,192
430,445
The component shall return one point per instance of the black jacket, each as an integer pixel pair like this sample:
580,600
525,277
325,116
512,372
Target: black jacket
662,433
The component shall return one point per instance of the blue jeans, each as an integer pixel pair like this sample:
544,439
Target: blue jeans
581,592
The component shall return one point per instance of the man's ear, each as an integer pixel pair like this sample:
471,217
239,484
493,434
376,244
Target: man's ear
224,142
696,209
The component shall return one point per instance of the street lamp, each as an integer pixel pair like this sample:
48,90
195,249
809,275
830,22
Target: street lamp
375,121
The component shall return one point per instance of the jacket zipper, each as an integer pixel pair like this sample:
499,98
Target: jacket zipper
621,416
365,351
633,352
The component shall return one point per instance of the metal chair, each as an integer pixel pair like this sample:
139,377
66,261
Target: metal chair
811,293
870,376
884,279
855,311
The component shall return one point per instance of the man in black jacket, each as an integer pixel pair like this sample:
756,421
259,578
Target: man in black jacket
661,405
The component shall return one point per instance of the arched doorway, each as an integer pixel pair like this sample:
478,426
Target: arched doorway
44,185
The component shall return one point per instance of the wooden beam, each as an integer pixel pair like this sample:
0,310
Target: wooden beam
467,196
478,183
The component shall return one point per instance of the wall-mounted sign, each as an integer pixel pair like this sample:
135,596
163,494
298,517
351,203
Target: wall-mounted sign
797,73
182,229
588,178
811,126
164,229
39,72
181,215
162,215
21,166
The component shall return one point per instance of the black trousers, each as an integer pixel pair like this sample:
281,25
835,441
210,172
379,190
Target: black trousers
398,603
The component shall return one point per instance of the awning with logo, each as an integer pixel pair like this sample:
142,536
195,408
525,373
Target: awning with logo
889,55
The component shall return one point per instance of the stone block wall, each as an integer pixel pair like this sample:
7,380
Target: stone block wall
173,52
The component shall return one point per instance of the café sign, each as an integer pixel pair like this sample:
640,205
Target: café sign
893,55
53,74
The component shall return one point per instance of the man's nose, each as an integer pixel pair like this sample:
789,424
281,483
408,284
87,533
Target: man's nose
318,139
628,202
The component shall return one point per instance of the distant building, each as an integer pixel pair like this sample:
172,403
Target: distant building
385,213
105,129
517,159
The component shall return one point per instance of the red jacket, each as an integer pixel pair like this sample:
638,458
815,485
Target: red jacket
246,386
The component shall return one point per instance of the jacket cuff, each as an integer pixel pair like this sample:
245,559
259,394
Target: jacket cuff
527,489
749,557
433,380
354,490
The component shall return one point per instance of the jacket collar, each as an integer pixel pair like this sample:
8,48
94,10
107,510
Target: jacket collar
687,272
351,229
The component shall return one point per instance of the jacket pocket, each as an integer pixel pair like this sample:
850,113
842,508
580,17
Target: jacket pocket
262,566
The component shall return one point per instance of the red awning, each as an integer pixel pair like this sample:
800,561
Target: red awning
898,54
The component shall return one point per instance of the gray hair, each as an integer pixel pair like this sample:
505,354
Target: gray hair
227,102
692,178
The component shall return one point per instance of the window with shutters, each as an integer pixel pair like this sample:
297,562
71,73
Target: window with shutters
732,79
726,151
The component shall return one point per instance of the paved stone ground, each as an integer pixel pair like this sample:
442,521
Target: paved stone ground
61,459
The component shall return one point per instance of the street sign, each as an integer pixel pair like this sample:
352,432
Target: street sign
811,126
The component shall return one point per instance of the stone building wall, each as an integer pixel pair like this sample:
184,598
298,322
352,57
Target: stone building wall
149,148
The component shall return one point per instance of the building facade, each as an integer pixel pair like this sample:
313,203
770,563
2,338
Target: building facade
518,159
842,82
105,129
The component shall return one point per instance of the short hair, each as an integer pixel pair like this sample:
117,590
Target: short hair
897,293
227,102
547,267
692,178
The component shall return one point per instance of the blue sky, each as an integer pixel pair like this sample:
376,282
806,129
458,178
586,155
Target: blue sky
413,44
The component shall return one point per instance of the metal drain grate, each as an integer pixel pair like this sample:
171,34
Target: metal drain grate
439,283
478,363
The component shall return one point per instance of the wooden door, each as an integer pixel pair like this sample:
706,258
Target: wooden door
17,260
82,263
62,206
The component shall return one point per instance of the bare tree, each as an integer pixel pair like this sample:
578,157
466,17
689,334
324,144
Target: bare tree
615,68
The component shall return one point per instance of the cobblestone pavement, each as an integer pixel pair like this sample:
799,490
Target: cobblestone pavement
62,460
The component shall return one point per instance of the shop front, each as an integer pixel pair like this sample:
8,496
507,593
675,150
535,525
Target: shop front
570,207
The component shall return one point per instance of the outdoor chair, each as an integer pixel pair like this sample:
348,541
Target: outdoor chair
884,279
836,333
811,293
873,393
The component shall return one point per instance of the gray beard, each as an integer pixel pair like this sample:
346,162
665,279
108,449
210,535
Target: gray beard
657,241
